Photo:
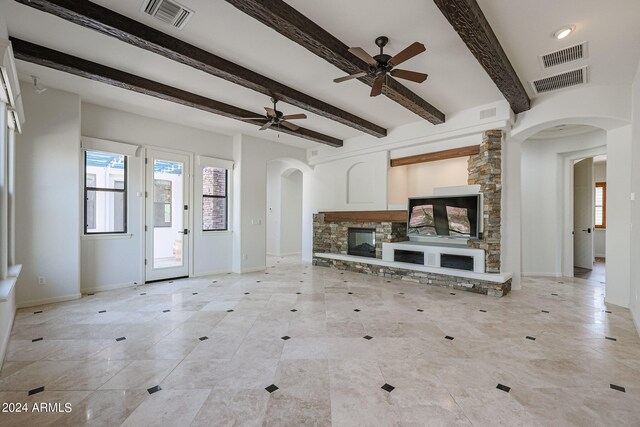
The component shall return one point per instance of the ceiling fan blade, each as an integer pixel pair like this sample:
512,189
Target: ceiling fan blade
254,118
360,53
377,86
266,125
352,76
270,112
294,116
408,53
288,125
409,75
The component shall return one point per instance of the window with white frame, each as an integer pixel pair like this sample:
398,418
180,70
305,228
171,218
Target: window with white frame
105,192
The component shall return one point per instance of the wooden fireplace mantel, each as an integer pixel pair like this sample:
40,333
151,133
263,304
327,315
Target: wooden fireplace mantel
367,216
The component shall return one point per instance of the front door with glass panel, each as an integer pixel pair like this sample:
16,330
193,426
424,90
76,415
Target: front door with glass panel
167,215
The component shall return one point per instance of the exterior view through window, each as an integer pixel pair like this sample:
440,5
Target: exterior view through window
105,193
214,199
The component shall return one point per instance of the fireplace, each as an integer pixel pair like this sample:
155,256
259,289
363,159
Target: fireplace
361,242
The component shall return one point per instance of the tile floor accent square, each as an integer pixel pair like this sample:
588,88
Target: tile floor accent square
388,388
37,339
545,311
531,338
144,293
618,388
452,293
166,311
229,311
555,295
611,339
356,310
37,312
102,311
121,339
203,338
483,311
36,390
293,310
154,389
503,388
448,337
247,293
350,293
420,310
194,293
286,337
271,388
367,337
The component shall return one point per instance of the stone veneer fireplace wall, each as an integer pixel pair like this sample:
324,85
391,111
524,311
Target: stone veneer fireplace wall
332,236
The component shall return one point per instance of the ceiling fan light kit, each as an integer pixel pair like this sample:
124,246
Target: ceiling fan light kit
382,64
275,117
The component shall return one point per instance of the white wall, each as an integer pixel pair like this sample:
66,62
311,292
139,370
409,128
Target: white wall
284,209
618,246
634,291
600,234
252,156
332,182
420,179
542,196
103,265
48,198
291,213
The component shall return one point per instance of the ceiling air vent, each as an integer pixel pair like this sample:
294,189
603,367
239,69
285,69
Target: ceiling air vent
569,54
168,11
560,81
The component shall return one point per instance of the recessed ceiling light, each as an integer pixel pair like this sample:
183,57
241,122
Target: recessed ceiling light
564,31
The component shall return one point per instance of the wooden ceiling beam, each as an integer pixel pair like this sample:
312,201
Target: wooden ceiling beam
106,21
292,24
453,153
60,61
472,26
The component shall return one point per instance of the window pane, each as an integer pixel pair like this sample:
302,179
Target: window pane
214,213
104,170
598,215
108,213
598,196
214,181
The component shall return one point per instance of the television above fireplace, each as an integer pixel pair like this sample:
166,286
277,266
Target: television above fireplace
452,217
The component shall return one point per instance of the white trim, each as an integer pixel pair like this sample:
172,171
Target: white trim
213,162
106,236
7,285
533,274
85,291
5,343
211,273
44,301
253,269
89,143
487,277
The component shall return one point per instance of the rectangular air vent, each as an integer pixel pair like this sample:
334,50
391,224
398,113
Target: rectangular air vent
562,56
560,81
168,11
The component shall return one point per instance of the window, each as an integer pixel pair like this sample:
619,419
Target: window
162,203
214,199
601,205
105,192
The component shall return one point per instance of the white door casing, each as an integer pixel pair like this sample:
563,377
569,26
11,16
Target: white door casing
583,213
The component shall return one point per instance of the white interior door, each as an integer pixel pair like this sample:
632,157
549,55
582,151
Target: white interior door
167,215
583,211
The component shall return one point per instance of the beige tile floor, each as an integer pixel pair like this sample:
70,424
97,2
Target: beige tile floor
326,372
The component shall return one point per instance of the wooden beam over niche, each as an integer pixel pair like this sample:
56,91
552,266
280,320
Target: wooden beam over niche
295,26
60,61
366,216
106,21
467,19
437,155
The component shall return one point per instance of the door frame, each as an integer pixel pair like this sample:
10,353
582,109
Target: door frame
566,200
189,179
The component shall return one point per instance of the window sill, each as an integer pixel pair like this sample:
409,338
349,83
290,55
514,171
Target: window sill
105,236
212,233
6,285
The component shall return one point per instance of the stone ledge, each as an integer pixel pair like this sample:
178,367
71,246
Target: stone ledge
483,283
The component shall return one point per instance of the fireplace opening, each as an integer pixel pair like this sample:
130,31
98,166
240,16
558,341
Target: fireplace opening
361,242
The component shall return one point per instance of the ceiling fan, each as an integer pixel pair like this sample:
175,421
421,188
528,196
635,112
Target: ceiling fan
382,64
275,117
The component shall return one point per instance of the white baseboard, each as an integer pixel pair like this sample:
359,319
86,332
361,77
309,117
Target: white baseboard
285,254
529,274
33,303
253,270
107,288
211,273
636,321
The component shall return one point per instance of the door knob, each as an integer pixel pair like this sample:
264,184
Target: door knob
185,231
588,230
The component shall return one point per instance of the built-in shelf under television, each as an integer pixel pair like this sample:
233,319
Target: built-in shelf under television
452,217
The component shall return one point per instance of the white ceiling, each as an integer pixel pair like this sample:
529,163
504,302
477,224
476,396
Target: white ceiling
456,80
